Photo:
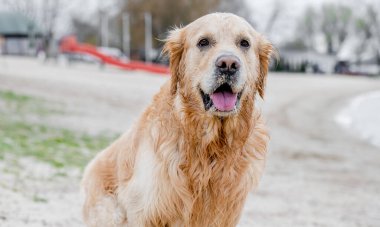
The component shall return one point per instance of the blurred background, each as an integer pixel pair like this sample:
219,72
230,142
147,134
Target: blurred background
321,36
74,75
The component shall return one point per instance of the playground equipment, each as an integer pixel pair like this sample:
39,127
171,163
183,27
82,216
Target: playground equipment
70,44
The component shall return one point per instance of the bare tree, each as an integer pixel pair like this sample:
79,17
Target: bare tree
328,25
343,25
274,15
367,27
45,14
169,13
238,7
335,25
307,28
50,12
27,8
374,27
84,30
165,13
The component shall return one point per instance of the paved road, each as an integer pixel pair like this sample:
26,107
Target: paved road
317,174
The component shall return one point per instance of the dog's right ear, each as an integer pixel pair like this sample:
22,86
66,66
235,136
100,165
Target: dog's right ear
174,48
266,50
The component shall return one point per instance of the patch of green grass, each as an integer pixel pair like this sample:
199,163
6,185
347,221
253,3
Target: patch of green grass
13,97
22,105
59,147
39,199
17,102
56,146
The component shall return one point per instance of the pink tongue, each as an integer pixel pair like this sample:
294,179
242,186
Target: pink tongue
224,101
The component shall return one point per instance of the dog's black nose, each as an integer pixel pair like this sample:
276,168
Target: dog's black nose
227,64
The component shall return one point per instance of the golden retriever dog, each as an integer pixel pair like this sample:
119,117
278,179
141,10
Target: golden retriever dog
199,148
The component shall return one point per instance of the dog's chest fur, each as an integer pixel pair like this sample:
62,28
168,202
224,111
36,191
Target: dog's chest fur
182,180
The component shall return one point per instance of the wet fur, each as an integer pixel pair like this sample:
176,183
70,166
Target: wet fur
203,166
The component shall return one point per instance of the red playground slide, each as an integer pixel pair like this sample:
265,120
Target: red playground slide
69,44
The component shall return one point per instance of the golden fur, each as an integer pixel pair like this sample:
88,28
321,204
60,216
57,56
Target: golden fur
180,165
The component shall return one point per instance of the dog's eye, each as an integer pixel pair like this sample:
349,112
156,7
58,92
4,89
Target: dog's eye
244,43
203,43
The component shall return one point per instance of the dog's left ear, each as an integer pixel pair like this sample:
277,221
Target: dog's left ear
265,52
174,48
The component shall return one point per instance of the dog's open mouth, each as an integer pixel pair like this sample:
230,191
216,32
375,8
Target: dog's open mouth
223,99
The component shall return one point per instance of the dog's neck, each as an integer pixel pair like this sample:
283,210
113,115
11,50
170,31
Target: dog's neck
213,137
214,151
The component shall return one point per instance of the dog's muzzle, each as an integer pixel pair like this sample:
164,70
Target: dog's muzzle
223,97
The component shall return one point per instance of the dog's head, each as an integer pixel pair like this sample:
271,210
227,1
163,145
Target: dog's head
217,62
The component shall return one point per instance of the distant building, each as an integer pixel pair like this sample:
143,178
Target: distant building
18,35
361,55
306,61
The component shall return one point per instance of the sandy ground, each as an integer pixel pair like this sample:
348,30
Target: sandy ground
317,174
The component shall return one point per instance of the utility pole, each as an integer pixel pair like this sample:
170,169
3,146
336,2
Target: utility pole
126,36
104,28
148,36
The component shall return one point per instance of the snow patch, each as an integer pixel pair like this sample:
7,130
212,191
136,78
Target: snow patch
362,116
